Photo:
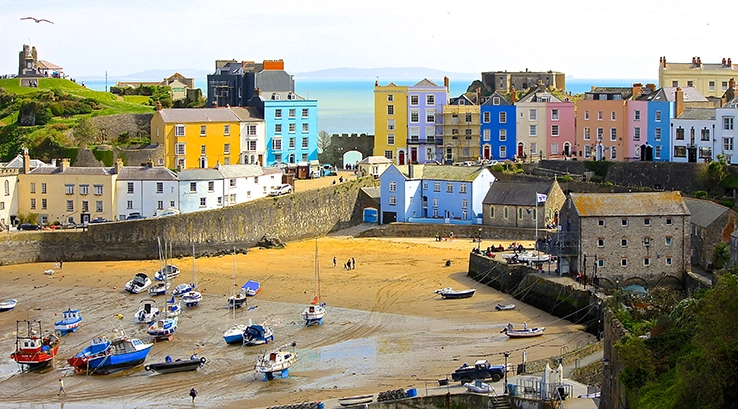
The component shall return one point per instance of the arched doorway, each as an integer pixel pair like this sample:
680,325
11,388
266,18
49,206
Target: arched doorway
351,158
567,149
521,149
401,158
486,151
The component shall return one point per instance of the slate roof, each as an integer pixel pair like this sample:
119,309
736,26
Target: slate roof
691,94
698,114
247,113
271,170
705,66
629,204
704,212
455,101
372,192
146,173
17,163
516,193
425,82
236,171
187,175
538,95
503,101
182,115
274,81
442,172
73,170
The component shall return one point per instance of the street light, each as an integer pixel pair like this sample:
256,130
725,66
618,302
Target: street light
606,394
479,240
506,354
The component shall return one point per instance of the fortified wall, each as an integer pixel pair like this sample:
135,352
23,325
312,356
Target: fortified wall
291,217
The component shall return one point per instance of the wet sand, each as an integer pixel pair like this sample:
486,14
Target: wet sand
385,328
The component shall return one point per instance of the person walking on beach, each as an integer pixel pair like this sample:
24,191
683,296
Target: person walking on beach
193,394
353,264
525,325
334,262
61,387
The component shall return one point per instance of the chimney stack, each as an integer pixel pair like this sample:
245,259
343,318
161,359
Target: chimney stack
149,163
694,60
446,83
479,96
730,63
64,164
679,101
118,165
699,61
26,161
724,61
637,90
410,171
664,62
158,106
652,87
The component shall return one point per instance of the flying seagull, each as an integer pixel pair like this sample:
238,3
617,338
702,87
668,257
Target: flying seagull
38,20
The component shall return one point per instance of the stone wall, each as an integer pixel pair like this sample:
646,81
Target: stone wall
112,126
613,392
130,156
291,217
489,233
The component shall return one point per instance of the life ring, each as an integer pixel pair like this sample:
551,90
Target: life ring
202,360
147,367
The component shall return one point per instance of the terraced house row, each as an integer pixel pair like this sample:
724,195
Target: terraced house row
422,124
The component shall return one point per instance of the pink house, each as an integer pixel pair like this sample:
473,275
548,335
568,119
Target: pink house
561,129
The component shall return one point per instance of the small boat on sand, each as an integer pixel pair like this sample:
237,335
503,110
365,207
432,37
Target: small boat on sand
71,319
159,288
33,348
147,311
479,387
140,283
276,361
179,365
525,333
356,400
103,355
163,329
504,307
450,293
168,272
256,334
8,305
234,334
251,288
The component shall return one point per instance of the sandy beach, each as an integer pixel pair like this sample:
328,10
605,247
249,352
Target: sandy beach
385,328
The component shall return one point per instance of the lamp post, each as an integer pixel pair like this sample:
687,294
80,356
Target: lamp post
479,240
606,381
506,354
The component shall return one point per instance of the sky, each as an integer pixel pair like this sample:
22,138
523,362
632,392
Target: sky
581,38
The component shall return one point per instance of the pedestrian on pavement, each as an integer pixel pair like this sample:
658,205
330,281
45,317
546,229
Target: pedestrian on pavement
193,394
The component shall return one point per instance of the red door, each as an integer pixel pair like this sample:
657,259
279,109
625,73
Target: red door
520,150
413,155
486,152
401,158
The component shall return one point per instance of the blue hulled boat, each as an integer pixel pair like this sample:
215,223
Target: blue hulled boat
257,335
104,356
69,323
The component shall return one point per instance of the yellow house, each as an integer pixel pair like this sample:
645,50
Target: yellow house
710,79
66,194
390,121
197,138
460,130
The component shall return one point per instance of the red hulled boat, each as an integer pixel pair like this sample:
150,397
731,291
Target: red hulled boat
33,347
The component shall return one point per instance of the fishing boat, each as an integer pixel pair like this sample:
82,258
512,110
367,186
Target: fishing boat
234,334
147,311
251,288
505,307
276,361
173,308
159,288
314,313
256,334
179,365
450,293
8,305
33,348
140,283
168,272
104,355
163,329
525,333
356,400
71,319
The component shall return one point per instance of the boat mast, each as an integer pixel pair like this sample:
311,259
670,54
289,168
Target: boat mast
317,271
194,268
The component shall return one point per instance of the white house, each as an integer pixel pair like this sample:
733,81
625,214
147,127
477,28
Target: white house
8,197
691,136
725,132
242,183
145,189
200,189
373,166
253,135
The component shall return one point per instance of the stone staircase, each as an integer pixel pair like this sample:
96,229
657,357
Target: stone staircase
501,402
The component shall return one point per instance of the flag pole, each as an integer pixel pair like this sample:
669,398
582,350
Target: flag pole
535,239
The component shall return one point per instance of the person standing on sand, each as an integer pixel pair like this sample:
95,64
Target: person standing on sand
193,394
353,264
334,262
61,387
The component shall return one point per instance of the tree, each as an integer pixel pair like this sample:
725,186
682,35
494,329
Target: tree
85,132
721,255
324,141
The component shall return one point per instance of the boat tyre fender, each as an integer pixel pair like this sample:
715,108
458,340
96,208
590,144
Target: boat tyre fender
202,360
147,367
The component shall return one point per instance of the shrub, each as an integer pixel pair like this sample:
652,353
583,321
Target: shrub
596,179
700,194
727,203
566,178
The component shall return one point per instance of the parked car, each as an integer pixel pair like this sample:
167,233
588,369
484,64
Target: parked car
28,226
282,189
99,220
168,212
135,216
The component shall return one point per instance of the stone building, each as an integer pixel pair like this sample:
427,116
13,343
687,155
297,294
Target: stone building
626,238
504,81
516,204
710,224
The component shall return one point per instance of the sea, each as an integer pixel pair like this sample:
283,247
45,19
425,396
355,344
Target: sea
347,106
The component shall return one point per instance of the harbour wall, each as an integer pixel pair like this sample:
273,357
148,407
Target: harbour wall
296,216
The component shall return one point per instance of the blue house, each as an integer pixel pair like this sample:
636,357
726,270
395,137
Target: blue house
658,126
433,194
498,128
